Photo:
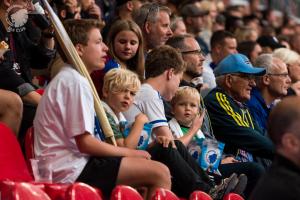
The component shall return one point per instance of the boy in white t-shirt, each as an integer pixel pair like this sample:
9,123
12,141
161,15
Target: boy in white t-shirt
64,127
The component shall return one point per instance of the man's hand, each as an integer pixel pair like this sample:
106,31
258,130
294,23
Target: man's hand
165,141
229,160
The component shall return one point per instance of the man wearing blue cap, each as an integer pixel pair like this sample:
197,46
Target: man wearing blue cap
230,118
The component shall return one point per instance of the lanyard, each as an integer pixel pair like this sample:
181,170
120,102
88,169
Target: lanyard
12,46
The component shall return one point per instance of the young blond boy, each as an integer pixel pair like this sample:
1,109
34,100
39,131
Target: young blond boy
187,120
119,89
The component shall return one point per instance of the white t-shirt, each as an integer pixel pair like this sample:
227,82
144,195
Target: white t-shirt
65,111
151,104
208,76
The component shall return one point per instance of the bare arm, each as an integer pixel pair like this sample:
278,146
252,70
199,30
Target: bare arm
87,144
32,97
196,125
131,141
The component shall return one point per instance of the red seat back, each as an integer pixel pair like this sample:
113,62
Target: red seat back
122,192
21,191
12,163
82,191
232,196
29,148
56,191
199,195
163,194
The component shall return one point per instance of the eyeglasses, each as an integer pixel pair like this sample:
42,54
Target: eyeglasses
284,75
153,8
249,77
197,52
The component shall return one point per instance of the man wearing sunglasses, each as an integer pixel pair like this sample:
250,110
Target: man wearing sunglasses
230,118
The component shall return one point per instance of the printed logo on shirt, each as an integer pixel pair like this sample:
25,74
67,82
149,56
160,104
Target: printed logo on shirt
16,17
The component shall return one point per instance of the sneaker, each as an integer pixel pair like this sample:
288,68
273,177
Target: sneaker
241,185
226,186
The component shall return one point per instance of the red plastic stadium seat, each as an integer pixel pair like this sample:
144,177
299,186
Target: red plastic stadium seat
29,148
232,196
122,192
82,191
40,91
199,195
56,191
163,194
12,164
21,191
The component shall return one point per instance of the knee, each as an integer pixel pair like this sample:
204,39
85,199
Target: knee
163,174
256,169
15,102
11,103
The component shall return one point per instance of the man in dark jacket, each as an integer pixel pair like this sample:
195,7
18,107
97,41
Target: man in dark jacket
282,181
230,118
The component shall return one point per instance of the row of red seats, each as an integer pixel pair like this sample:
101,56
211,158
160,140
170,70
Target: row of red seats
79,191
16,182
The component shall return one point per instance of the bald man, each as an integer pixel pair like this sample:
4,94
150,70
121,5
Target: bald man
283,179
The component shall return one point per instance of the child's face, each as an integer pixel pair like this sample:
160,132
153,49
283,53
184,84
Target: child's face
126,44
94,53
185,110
120,101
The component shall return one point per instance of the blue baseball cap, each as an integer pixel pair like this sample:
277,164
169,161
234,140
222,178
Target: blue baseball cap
237,63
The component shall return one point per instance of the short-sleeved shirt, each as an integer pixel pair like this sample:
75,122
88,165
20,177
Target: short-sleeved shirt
149,102
65,111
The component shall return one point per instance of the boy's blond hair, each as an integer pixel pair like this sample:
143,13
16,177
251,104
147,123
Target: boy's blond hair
117,80
185,92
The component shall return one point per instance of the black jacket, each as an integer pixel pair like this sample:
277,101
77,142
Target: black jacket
282,181
28,53
233,125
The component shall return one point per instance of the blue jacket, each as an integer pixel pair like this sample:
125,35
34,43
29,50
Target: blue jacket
259,109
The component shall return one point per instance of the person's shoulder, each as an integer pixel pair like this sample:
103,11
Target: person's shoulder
277,183
147,92
212,94
69,75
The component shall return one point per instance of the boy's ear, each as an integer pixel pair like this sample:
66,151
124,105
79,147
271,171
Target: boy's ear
80,49
170,73
105,92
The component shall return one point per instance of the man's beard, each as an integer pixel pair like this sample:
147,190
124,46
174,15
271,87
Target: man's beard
192,74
